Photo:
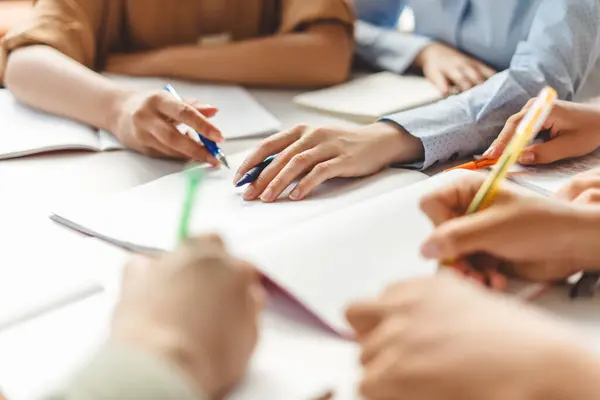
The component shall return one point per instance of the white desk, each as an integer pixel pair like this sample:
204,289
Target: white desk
35,354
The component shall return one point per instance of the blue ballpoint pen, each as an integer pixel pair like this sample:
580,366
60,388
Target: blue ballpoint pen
211,146
253,174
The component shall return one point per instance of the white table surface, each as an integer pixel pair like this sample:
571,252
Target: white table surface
36,354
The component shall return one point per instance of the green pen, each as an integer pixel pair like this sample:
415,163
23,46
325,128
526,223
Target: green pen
194,177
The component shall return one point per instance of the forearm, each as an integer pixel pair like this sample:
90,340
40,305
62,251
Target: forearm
317,57
386,48
44,78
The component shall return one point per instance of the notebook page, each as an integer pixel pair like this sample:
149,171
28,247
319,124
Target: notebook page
25,131
109,142
548,179
369,98
354,253
147,216
239,116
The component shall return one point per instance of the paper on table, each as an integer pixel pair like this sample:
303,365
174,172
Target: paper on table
548,179
369,98
146,216
44,280
296,362
350,254
24,130
239,116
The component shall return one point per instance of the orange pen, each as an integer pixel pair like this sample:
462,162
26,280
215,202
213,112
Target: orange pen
475,165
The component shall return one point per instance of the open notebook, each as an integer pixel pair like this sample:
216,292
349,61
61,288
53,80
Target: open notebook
349,240
25,131
370,98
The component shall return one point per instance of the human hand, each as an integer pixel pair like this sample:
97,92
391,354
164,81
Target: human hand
197,308
444,338
539,238
583,188
446,67
323,154
573,131
145,122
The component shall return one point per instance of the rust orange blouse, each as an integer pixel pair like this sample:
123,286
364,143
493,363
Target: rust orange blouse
89,30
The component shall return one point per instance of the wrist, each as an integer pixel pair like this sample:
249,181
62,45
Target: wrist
421,58
397,145
172,348
115,106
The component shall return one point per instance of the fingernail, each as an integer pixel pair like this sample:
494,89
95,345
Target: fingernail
488,152
295,194
236,178
249,192
527,158
266,196
431,250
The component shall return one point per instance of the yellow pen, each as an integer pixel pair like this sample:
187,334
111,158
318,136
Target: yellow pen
526,131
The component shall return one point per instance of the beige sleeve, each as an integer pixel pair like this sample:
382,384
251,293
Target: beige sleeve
298,14
122,372
66,25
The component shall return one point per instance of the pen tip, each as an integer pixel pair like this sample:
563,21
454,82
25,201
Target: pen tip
224,161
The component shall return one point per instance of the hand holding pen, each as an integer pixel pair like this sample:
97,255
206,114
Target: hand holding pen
144,122
194,134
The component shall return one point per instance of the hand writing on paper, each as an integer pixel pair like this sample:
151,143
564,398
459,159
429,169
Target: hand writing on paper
325,153
196,307
446,67
145,122
573,131
532,237
445,338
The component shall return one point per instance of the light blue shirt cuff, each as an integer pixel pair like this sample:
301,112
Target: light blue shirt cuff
445,137
387,49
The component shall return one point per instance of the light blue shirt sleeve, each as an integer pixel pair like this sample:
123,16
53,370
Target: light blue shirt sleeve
382,13
387,49
561,50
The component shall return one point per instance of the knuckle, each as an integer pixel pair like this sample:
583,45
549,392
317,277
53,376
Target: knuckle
300,160
322,169
590,196
184,112
300,129
318,134
261,181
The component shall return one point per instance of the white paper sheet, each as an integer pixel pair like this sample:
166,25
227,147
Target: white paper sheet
147,217
548,179
354,253
25,131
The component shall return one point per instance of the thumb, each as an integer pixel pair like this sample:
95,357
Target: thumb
462,237
497,147
558,148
